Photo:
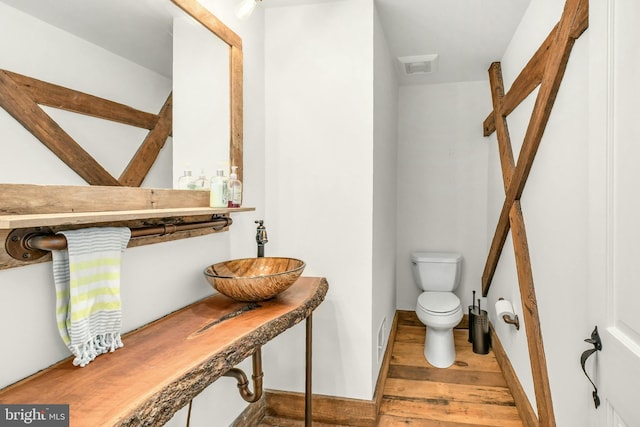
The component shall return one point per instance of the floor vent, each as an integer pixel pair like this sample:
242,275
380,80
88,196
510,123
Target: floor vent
381,338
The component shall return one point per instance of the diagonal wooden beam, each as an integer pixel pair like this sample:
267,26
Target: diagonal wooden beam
531,75
29,114
557,61
499,238
528,79
581,22
535,344
51,95
141,163
504,140
523,263
507,165
557,58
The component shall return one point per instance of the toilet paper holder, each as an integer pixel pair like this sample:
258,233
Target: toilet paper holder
511,320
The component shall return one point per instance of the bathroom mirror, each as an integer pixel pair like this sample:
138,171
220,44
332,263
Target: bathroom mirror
122,50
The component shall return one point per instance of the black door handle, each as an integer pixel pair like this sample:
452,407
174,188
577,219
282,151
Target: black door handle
597,346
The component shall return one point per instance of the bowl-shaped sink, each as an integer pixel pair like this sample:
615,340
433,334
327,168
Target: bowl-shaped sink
254,279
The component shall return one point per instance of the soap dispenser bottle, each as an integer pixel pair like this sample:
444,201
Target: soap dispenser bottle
202,183
219,190
235,189
187,181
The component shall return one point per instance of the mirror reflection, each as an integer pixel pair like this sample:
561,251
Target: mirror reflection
201,114
131,52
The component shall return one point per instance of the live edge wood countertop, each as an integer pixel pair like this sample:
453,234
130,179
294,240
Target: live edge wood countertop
165,364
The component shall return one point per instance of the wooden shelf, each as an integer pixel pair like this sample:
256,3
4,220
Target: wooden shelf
167,363
9,222
24,207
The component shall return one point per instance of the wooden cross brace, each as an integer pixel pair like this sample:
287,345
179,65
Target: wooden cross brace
545,69
21,97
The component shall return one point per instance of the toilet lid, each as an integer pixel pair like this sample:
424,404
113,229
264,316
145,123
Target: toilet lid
439,302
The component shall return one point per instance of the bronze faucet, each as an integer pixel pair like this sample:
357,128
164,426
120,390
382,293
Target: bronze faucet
261,237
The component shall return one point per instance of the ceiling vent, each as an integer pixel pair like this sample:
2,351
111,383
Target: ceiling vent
420,64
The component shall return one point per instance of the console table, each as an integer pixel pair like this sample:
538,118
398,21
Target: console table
165,364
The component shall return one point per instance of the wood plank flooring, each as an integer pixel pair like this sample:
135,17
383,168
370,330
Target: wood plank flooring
472,392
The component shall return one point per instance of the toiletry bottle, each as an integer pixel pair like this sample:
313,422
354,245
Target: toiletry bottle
202,183
186,181
218,195
235,189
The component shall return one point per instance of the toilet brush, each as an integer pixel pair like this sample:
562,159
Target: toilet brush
472,310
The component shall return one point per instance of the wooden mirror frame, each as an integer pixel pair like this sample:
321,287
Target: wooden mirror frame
217,27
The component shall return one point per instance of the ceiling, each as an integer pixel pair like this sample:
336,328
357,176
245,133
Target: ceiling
467,35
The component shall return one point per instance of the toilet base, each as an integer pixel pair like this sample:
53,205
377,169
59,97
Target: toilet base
439,347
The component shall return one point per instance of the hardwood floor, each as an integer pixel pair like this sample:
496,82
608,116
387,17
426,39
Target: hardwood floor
472,392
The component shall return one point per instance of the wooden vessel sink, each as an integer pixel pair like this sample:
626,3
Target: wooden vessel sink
254,279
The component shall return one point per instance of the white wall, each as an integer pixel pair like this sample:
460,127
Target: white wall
554,205
385,136
319,192
442,175
156,279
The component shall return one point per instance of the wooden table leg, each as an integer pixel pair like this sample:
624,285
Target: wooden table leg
307,391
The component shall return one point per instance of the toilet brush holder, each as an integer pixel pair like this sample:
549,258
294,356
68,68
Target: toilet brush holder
480,326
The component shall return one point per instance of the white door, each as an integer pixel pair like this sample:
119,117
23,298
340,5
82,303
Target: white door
614,209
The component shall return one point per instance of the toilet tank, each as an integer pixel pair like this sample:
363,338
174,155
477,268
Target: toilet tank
436,271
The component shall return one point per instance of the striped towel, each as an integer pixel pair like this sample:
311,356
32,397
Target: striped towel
87,280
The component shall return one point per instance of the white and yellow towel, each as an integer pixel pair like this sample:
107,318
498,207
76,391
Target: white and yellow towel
87,280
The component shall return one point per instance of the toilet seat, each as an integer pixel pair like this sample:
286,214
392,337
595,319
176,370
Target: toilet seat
439,303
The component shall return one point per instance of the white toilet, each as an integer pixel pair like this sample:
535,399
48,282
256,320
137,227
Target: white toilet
437,274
